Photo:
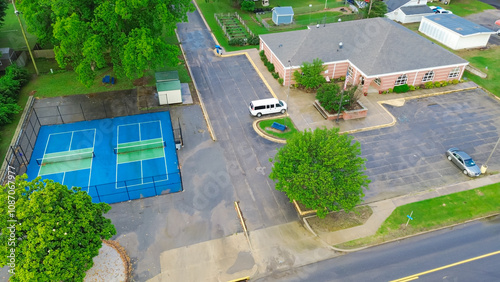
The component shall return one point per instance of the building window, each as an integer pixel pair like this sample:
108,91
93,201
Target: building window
428,76
350,73
377,81
401,80
454,73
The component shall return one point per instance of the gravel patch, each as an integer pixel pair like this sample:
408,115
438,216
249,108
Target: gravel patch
112,264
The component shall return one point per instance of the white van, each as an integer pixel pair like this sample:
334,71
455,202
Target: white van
267,106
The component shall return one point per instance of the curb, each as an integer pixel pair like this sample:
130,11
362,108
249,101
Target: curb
408,98
202,105
265,136
205,21
417,234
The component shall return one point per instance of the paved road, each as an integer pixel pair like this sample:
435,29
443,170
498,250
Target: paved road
494,3
227,85
409,156
487,19
412,256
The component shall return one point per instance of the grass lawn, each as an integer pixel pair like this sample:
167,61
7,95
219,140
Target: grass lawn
318,18
435,213
224,6
481,59
283,135
463,7
11,34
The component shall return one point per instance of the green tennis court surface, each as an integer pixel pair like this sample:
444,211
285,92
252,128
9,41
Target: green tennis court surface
140,150
66,161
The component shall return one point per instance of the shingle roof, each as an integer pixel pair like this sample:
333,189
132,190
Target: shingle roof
283,10
394,4
458,24
416,10
376,46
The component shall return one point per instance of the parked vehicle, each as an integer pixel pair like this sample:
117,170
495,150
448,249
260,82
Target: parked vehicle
439,10
463,161
267,106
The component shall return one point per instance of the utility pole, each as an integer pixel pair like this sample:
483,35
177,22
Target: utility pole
24,35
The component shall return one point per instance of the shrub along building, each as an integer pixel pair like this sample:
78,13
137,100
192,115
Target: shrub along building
375,53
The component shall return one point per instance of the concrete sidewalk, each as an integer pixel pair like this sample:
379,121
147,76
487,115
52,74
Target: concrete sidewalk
383,209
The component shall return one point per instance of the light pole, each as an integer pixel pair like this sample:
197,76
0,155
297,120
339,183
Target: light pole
484,167
326,3
288,91
24,35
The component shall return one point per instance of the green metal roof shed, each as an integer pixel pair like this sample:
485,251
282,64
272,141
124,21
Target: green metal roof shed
166,76
169,92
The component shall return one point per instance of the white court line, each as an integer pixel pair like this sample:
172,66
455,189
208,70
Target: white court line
137,161
44,151
71,131
140,138
142,174
145,183
66,171
117,140
64,176
91,162
71,141
164,157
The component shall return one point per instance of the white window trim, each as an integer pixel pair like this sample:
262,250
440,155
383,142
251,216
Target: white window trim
454,73
405,80
431,77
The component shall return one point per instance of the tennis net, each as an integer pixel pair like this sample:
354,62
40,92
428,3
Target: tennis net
140,147
65,158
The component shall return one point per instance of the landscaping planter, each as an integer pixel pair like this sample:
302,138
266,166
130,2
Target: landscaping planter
346,115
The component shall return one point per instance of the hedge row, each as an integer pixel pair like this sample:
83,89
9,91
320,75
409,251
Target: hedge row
10,86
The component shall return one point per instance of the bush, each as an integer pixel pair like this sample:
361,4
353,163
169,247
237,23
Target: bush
253,40
444,83
328,96
270,66
276,75
237,42
401,88
412,88
280,81
389,90
437,84
429,85
248,5
10,85
455,81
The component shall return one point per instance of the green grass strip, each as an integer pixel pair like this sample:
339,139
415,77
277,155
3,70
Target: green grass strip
286,121
435,213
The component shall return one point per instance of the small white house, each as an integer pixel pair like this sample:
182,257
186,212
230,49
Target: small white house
282,15
454,31
168,87
411,14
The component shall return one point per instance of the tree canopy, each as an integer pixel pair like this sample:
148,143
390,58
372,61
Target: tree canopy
3,10
375,9
89,34
49,232
310,76
321,169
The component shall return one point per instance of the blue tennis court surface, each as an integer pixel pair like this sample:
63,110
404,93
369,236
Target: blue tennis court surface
114,160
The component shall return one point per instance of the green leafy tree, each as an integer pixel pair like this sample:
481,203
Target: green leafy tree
52,231
8,107
310,76
3,9
89,34
376,9
329,96
321,169
248,5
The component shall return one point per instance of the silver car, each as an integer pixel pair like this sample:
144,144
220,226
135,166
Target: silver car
463,161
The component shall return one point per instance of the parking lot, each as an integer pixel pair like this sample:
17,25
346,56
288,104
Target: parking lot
410,156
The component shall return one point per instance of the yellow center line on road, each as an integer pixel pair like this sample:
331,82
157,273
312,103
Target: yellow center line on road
415,276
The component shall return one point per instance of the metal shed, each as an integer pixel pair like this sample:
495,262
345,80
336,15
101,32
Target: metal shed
168,87
7,57
454,31
282,15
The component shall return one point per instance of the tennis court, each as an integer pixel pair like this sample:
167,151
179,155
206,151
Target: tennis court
114,160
